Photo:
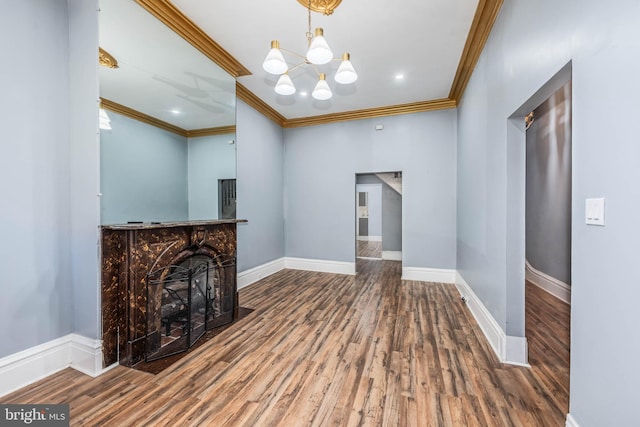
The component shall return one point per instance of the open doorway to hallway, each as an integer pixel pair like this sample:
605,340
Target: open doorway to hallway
548,242
379,215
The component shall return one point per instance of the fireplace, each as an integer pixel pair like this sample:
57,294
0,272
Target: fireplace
164,285
185,300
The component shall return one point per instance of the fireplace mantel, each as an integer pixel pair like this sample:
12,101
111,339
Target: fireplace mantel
156,225
128,253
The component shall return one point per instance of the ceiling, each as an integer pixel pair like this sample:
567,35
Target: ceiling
432,44
160,74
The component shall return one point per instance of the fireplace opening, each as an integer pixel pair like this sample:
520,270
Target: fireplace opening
186,299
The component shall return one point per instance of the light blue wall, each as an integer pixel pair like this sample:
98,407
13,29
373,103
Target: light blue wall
85,205
320,167
530,42
145,177
210,158
36,299
259,189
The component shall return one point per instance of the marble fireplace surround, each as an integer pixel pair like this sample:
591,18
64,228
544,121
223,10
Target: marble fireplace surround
129,252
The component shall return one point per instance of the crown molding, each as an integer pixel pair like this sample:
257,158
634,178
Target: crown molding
171,16
248,97
222,130
144,118
106,59
262,107
483,21
393,110
141,117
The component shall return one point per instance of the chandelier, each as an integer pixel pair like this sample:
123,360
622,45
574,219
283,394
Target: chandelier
318,53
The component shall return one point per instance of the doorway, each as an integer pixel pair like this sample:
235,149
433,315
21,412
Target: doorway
227,198
548,199
379,216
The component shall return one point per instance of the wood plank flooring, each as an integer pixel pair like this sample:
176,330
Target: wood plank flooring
323,349
547,329
369,249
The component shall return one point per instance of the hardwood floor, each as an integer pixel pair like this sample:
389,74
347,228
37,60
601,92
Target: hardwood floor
323,349
547,329
369,249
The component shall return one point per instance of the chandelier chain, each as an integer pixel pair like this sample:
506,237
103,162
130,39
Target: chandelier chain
309,34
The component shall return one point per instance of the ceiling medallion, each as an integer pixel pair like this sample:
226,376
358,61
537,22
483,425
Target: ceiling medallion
326,7
106,59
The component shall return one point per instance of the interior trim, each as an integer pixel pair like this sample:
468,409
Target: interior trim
144,118
106,59
141,117
25,367
435,275
320,265
222,130
481,27
547,283
252,275
248,97
484,18
509,349
171,16
571,422
392,255
262,107
369,113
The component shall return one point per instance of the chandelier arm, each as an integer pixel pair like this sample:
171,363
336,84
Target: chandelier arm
320,54
315,67
297,55
295,67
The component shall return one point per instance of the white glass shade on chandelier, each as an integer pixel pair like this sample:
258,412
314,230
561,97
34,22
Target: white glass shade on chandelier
346,74
322,91
285,85
274,63
319,53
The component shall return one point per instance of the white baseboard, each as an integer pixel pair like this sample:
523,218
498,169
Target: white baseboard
509,349
555,287
571,422
392,255
437,275
369,238
86,355
323,266
247,277
33,364
516,351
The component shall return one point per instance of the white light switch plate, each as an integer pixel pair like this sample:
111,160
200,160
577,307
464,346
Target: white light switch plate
594,211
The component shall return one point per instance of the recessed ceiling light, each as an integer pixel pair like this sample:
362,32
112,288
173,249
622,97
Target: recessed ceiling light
399,76
175,111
